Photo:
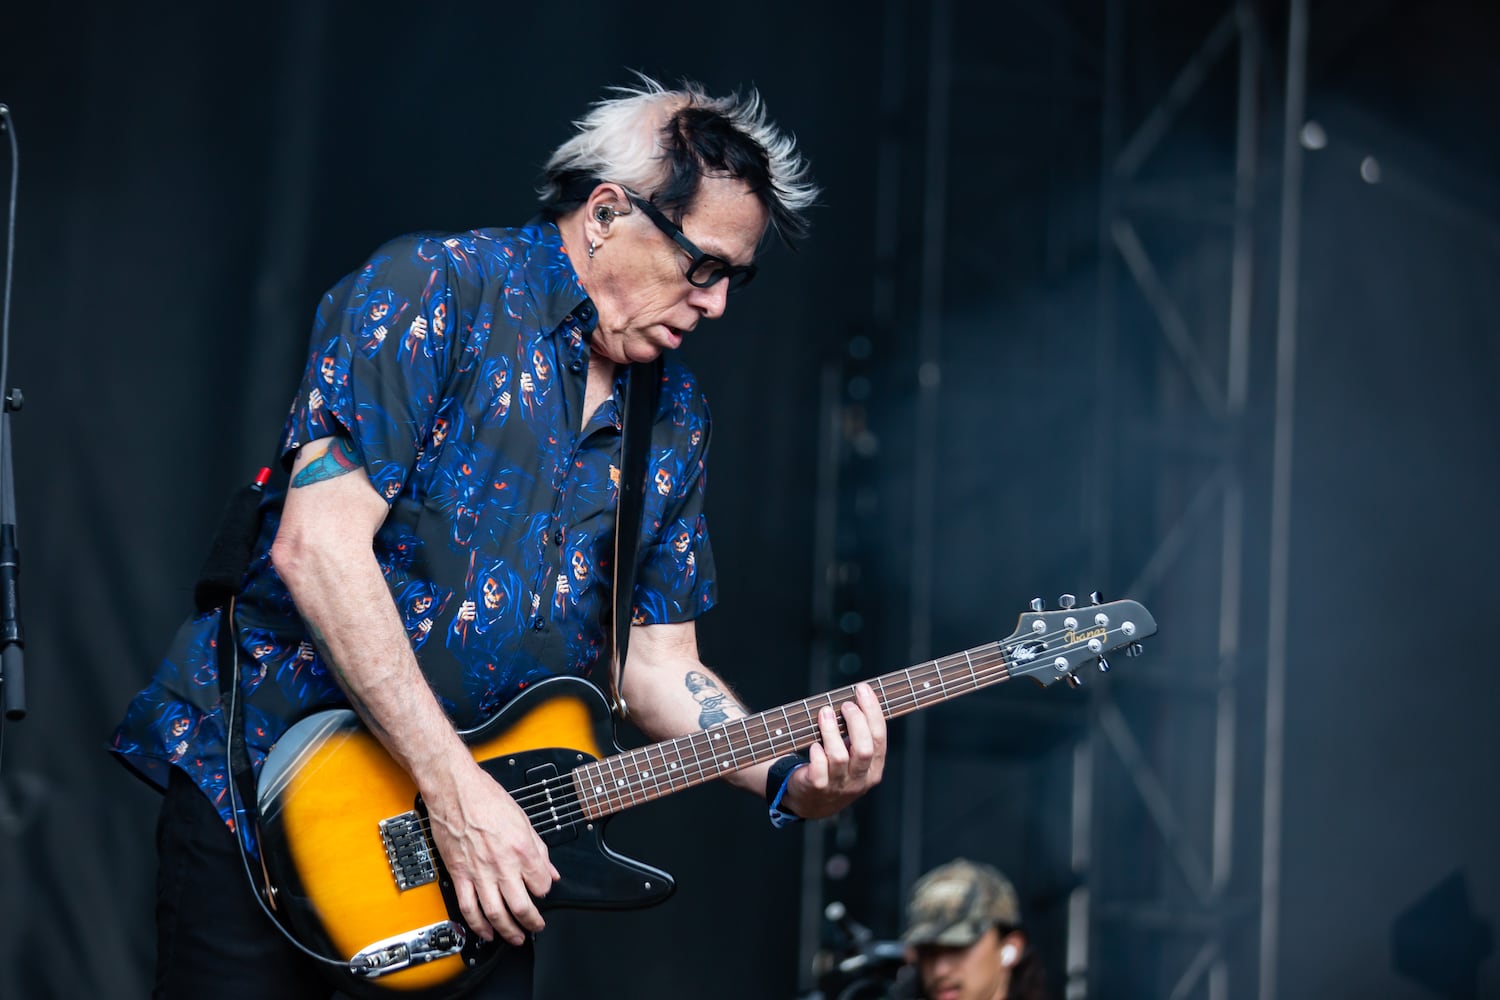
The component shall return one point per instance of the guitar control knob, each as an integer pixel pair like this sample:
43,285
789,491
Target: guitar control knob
1037,604
1073,681
1066,601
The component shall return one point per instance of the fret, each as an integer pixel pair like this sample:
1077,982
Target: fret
786,732
619,780
703,755
745,747
923,695
584,784
911,687
718,742
673,763
653,772
758,741
942,682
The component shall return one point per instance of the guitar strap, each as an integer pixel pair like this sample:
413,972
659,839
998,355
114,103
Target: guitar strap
642,390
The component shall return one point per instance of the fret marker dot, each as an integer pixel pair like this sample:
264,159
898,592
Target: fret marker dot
620,783
927,684
778,732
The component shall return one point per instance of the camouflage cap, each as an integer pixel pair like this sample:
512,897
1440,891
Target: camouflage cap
954,904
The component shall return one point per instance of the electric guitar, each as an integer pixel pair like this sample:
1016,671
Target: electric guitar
352,871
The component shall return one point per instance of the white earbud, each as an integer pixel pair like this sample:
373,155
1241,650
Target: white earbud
1008,955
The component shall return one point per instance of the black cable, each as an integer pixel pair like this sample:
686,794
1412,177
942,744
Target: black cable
8,126
241,812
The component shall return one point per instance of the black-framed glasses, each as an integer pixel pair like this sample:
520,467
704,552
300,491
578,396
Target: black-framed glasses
706,270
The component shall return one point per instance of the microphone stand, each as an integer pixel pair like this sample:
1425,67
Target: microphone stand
12,668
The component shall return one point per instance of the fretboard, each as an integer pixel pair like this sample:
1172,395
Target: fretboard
615,783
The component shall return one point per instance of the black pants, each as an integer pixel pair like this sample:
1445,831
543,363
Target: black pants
212,938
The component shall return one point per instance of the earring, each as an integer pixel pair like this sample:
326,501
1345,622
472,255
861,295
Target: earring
593,245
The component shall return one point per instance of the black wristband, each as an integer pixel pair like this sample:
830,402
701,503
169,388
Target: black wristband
779,772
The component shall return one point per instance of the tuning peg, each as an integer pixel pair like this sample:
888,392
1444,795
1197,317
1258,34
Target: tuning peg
1095,597
1103,665
1134,649
1066,601
1073,681
1037,604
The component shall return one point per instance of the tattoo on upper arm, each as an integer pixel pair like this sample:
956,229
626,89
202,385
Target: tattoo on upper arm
355,701
339,460
716,705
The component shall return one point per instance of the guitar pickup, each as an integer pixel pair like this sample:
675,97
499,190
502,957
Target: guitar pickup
404,950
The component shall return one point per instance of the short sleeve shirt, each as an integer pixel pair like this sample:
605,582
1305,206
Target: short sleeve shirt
455,365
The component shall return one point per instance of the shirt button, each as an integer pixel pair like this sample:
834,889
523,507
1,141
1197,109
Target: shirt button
538,623
576,367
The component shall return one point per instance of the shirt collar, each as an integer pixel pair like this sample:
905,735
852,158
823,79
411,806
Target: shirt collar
552,283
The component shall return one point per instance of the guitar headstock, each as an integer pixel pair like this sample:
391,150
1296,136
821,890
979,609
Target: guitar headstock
1052,645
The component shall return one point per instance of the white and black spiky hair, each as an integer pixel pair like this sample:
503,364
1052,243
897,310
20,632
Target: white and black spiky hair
661,142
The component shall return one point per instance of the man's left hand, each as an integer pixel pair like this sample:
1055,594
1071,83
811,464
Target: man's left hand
841,770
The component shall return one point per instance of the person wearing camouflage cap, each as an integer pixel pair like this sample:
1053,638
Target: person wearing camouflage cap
964,938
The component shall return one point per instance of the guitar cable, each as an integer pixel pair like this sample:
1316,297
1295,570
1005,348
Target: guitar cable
235,807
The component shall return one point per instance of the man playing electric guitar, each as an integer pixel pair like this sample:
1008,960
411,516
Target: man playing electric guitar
446,539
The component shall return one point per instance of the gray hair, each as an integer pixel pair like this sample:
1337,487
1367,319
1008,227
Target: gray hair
660,143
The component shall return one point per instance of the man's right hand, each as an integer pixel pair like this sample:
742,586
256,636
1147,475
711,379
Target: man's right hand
498,862
323,552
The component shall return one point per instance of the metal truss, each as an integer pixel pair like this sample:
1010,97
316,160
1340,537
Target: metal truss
1201,912
1175,804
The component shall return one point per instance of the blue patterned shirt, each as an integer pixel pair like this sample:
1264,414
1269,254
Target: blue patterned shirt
456,366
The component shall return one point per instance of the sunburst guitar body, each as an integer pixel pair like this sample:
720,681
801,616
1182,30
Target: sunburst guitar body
354,875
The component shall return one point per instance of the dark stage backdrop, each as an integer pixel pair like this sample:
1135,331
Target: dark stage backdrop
192,184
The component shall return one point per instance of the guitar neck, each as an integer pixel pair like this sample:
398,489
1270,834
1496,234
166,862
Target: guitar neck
612,784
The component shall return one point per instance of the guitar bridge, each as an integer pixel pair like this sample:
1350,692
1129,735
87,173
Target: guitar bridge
408,850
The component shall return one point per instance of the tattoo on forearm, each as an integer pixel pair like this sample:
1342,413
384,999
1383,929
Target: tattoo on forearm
360,709
339,460
716,705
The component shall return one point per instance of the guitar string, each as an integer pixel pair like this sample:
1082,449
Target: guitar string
562,805
697,768
565,806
